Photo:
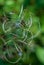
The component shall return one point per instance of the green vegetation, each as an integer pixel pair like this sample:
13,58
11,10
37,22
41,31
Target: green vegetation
21,32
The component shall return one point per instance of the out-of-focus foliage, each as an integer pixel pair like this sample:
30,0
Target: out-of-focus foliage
33,49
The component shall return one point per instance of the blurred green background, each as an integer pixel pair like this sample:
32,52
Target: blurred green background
35,53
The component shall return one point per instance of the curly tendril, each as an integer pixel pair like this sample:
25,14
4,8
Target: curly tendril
20,30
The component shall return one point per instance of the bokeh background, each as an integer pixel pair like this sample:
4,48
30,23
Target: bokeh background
35,53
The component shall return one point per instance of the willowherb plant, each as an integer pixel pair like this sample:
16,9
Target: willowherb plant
18,34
